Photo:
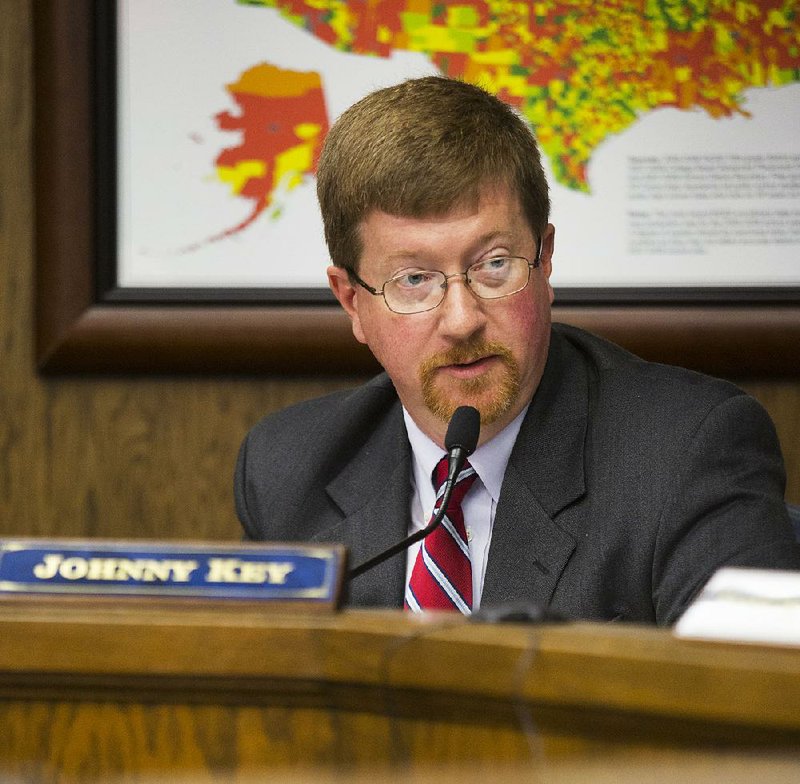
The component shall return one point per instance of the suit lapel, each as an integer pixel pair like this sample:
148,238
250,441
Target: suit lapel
545,473
373,491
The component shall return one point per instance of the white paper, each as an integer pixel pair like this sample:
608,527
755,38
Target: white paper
746,605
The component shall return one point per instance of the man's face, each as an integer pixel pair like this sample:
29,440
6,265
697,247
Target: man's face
468,351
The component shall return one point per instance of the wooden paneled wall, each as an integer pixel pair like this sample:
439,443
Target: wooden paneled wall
100,456
135,457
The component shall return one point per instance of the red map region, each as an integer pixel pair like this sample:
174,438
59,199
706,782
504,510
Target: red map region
578,70
282,121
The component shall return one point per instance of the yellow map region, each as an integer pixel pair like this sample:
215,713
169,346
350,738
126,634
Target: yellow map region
578,70
281,120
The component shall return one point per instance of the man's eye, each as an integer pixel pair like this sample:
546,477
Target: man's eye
412,280
493,265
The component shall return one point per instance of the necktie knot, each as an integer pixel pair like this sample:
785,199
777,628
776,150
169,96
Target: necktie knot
461,486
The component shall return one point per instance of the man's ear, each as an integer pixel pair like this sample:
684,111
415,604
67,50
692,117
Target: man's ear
548,246
345,292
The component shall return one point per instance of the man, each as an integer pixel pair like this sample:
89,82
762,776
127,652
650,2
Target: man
602,487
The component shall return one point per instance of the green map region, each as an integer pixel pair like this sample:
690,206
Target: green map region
578,71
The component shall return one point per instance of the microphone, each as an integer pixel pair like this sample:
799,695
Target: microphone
460,442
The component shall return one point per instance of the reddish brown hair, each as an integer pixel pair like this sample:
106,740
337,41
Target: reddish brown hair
422,148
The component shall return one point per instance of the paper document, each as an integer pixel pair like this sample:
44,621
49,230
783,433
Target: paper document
746,605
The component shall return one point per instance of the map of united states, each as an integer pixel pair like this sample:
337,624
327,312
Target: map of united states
579,71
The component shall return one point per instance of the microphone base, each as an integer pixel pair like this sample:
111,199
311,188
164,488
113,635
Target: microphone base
517,612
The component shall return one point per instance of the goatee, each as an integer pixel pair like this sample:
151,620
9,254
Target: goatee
492,393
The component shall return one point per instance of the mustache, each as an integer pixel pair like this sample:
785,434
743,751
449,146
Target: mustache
464,353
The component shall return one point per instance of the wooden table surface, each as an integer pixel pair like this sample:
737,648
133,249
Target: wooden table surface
104,691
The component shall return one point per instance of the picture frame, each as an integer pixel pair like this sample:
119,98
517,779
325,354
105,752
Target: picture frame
87,324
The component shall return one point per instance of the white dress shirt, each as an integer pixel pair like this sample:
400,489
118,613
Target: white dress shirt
489,461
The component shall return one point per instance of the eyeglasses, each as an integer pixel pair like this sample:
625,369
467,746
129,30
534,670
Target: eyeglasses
420,290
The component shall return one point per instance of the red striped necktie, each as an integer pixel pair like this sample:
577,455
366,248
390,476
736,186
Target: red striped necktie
442,575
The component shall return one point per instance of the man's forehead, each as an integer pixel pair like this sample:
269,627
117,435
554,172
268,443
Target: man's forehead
495,211
468,201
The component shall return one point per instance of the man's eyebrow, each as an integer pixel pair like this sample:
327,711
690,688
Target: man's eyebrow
507,236
403,254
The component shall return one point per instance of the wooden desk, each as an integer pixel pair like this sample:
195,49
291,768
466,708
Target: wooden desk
139,692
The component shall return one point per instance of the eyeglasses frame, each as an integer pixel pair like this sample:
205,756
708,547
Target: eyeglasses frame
380,292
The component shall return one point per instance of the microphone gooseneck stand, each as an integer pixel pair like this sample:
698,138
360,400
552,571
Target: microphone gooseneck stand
460,442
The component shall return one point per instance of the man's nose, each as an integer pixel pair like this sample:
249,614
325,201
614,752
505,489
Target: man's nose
461,312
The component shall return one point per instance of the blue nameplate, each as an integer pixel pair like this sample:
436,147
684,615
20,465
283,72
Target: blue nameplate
271,572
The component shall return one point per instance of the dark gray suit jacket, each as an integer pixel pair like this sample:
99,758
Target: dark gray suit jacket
629,484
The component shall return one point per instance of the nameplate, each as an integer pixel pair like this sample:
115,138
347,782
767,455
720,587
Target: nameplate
252,572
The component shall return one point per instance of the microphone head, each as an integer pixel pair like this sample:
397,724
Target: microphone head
463,430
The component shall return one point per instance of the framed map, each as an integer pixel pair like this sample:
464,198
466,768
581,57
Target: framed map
189,141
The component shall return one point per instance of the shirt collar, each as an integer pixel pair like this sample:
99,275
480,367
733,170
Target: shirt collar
489,460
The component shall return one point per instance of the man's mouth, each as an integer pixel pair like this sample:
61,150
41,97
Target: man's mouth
466,363
471,362
470,366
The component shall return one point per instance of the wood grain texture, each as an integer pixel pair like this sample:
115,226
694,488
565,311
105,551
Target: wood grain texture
96,694
104,456
138,457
